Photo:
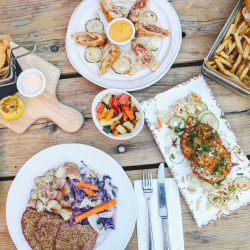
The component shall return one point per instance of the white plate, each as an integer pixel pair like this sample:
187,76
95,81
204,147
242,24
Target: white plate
162,101
52,157
138,126
166,54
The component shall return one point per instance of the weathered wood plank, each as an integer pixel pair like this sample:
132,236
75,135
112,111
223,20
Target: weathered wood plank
79,93
213,236
45,22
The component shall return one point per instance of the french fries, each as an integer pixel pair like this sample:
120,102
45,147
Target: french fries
232,57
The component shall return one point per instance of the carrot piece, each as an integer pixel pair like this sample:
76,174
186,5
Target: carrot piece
244,185
95,210
85,185
159,121
109,115
189,189
218,212
99,116
130,115
89,192
183,179
114,132
114,124
134,121
125,116
238,157
197,97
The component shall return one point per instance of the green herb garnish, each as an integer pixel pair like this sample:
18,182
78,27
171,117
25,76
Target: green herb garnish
172,156
222,117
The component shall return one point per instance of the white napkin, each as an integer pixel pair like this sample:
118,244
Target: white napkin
174,216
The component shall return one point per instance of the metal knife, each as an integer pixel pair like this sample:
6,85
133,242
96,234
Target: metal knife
163,209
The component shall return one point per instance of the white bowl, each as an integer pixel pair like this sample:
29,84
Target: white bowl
138,126
120,43
20,79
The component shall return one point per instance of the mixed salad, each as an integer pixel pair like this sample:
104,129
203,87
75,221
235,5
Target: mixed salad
81,196
187,112
117,114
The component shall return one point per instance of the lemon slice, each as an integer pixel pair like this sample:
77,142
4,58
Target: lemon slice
11,107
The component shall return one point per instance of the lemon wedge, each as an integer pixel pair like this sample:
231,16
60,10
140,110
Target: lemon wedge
11,107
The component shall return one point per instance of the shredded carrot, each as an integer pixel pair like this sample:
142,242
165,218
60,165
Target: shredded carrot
194,107
91,54
113,68
219,193
166,123
189,189
109,115
114,124
187,113
239,191
85,185
238,157
89,192
114,132
95,210
219,212
159,121
244,185
189,175
99,116
183,179
197,97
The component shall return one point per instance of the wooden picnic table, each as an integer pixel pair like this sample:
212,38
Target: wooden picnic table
45,22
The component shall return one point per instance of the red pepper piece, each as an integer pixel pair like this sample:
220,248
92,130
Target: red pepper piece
100,107
125,107
111,102
124,98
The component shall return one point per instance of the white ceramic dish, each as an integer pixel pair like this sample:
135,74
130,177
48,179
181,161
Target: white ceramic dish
121,43
162,101
99,98
52,157
20,79
166,54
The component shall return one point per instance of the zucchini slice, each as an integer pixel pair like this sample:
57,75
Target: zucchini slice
123,10
204,106
94,25
149,17
129,126
106,98
211,120
214,199
122,65
243,183
105,123
174,121
93,54
203,112
137,116
121,129
175,155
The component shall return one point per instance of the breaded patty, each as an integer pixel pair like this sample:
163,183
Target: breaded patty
47,230
76,237
212,164
196,135
29,222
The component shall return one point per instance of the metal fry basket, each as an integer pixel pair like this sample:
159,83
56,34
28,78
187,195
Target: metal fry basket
213,75
12,75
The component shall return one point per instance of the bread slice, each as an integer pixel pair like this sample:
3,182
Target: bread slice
137,10
109,56
149,30
144,53
89,38
109,10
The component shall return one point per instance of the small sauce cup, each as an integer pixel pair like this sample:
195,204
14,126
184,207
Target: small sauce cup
25,74
125,20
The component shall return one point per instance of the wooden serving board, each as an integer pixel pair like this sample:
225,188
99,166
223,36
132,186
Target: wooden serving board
46,105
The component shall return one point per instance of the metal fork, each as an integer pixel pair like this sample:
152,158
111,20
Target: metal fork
148,191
